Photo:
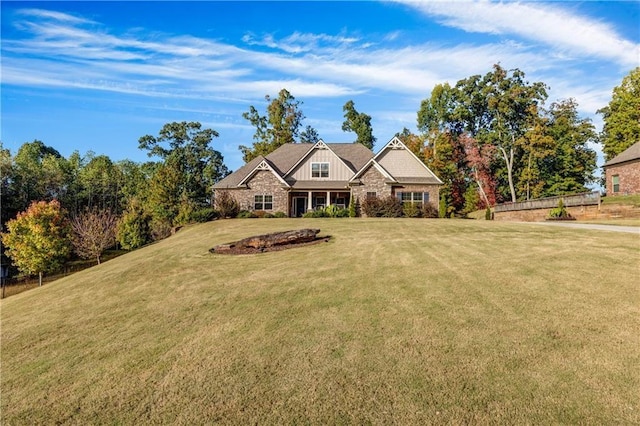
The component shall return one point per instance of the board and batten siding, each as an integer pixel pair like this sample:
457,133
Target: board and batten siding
337,169
400,163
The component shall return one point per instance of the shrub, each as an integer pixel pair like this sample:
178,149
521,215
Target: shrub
260,213
429,210
279,215
353,207
205,214
227,205
133,230
315,213
487,214
372,207
342,213
335,211
411,210
382,207
559,212
160,228
246,214
391,207
442,207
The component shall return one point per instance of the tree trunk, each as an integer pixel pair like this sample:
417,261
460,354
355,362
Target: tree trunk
39,279
482,193
509,161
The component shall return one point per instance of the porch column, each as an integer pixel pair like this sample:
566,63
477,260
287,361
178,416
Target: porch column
309,203
328,198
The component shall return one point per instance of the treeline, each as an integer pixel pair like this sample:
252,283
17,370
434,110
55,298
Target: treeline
151,197
490,138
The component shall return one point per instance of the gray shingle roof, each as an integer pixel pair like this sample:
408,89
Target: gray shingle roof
417,180
283,158
320,184
232,180
629,154
354,155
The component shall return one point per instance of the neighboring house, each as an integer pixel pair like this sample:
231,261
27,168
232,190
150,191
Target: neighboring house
623,172
297,178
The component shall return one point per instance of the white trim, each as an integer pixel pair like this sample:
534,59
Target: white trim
375,164
320,163
263,166
318,145
396,143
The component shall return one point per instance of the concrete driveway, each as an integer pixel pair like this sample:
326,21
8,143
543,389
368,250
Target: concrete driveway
611,228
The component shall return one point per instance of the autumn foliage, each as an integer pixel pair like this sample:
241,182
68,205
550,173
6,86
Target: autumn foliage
38,239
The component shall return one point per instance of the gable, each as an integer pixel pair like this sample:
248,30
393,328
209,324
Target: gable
233,180
263,166
320,153
403,165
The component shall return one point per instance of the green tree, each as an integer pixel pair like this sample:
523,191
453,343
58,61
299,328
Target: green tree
38,239
8,190
571,165
100,180
281,125
133,229
309,135
622,116
94,231
444,152
496,109
134,182
39,172
165,192
360,123
187,148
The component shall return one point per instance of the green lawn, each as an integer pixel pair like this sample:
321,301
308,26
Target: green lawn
394,321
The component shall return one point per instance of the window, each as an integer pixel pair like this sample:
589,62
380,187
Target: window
263,202
413,197
319,170
320,202
615,179
372,194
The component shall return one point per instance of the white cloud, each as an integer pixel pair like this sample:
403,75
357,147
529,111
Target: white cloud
547,23
66,51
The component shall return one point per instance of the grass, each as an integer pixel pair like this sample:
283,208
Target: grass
633,200
401,321
18,285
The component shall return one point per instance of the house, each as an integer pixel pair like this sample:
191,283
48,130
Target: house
622,172
296,178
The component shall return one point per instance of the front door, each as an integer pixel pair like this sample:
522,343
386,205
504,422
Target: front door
299,206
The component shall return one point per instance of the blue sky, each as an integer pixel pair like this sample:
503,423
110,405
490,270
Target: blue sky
99,75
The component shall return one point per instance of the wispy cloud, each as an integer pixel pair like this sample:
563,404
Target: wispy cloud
61,50
299,42
547,23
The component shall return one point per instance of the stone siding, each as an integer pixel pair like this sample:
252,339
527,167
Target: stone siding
433,190
372,181
629,175
262,183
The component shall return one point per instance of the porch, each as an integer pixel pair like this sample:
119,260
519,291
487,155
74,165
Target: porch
301,202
